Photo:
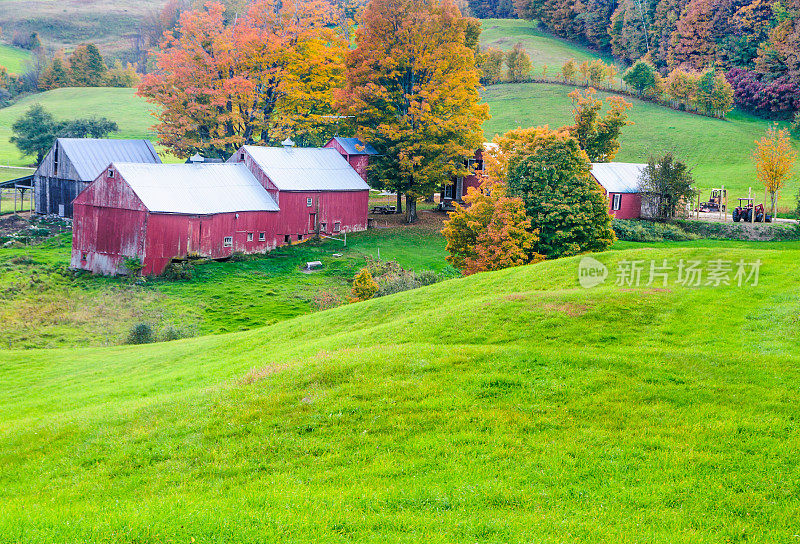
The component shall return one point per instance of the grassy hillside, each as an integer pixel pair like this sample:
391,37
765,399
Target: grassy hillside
541,46
718,150
505,407
14,59
121,105
68,23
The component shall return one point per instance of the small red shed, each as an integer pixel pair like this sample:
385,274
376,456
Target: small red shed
620,181
316,189
163,212
355,152
458,187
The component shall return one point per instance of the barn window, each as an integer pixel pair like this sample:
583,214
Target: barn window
110,173
84,256
241,157
616,201
299,237
309,201
323,227
227,241
337,226
262,236
287,238
249,236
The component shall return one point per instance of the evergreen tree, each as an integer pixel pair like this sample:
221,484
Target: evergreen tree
86,66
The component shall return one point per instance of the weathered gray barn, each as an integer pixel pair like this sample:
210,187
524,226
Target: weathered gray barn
73,163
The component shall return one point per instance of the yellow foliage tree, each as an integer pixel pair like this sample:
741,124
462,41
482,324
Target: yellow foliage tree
364,287
774,158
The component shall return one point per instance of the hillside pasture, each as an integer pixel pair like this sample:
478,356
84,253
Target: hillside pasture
131,113
542,47
719,151
504,407
14,59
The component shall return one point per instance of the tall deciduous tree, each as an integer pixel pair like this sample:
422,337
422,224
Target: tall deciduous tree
491,233
774,158
412,85
714,94
34,132
518,62
255,79
55,75
642,76
86,66
693,40
598,135
668,182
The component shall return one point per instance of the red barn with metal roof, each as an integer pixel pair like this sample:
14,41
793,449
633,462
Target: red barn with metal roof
355,152
163,212
316,189
620,181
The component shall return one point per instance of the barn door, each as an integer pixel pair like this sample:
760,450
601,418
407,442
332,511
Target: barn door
312,222
193,238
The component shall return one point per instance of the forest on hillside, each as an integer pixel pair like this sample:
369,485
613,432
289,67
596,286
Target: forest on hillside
757,42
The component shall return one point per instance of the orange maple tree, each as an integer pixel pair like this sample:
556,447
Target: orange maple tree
412,87
257,79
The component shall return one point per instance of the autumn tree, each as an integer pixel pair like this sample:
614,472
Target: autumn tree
598,135
55,75
597,72
519,63
569,70
364,287
774,158
681,86
550,173
490,62
693,40
86,66
412,85
272,71
491,233
714,94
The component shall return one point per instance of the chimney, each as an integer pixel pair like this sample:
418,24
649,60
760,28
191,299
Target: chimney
196,158
287,143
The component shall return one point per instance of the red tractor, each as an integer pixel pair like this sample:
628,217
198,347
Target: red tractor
744,212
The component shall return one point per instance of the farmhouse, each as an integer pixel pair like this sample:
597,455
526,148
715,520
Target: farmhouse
355,152
620,181
73,163
458,187
316,188
160,212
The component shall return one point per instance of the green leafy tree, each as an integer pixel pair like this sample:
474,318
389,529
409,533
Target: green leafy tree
562,200
642,76
598,135
34,132
714,94
668,183
86,128
519,63
86,66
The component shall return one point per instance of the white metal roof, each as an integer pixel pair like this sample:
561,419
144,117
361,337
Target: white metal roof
202,188
90,156
618,177
307,169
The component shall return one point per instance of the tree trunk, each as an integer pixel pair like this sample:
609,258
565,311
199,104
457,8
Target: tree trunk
399,203
411,209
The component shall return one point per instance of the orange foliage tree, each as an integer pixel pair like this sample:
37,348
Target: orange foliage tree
256,79
412,87
492,233
774,158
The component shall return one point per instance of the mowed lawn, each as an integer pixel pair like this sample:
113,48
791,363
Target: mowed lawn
543,48
130,112
14,59
719,151
507,407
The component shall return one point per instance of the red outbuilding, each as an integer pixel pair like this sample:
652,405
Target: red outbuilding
158,213
355,152
458,187
620,181
316,189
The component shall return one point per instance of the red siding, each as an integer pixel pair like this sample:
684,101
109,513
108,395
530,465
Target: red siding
630,205
358,162
473,180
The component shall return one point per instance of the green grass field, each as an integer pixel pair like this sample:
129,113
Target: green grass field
718,150
505,407
14,59
543,48
131,113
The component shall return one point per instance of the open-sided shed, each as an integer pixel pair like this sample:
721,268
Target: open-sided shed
163,212
73,163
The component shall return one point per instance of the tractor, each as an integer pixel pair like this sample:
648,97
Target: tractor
744,212
715,201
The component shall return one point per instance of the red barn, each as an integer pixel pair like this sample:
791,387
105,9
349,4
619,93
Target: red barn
163,212
458,187
355,152
316,189
620,181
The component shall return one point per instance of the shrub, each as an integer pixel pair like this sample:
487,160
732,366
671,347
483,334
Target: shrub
141,333
755,93
397,283
364,287
133,265
325,300
183,270
427,277
649,231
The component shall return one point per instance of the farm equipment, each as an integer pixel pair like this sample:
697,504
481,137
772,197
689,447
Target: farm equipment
745,210
716,200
